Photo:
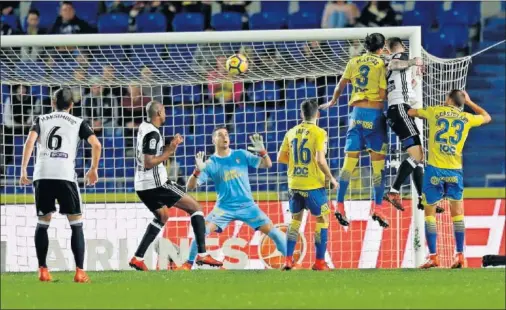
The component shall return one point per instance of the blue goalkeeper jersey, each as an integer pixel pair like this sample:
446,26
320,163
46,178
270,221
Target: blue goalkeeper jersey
230,176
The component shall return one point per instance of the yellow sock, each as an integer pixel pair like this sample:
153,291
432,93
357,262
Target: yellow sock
349,165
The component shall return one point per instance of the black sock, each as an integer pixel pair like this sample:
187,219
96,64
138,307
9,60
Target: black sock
149,236
41,243
199,229
418,179
407,166
77,243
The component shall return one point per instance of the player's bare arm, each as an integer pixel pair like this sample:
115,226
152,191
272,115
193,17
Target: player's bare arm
151,161
96,148
477,109
258,147
200,165
414,113
337,93
397,64
27,153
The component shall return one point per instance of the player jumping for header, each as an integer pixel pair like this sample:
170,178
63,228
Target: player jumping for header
58,135
448,130
157,192
303,149
367,127
228,169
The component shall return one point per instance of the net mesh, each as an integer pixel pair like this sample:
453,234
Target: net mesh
112,83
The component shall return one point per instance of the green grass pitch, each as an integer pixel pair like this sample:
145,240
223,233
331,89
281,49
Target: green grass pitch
457,289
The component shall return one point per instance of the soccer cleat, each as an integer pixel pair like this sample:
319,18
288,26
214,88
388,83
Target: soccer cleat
341,215
81,276
431,262
44,275
186,267
420,204
138,264
320,265
459,261
207,260
288,264
377,215
394,199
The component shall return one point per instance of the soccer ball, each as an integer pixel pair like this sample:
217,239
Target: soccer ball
236,64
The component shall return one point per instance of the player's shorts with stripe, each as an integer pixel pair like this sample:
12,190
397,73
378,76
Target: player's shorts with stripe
47,192
166,195
439,183
250,215
367,130
314,200
403,125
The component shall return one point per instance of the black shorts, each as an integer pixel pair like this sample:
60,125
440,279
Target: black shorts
403,125
166,195
65,192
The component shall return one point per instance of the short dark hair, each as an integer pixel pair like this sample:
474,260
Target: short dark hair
34,11
394,42
67,3
374,42
219,128
63,98
309,108
458,97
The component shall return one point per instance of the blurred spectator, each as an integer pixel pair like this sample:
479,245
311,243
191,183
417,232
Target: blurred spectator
132,114
339,14
377,14
78,92
100,107
167,8
7,8
203,57
223,91
174,172
117,6
153,92
19,111
109,79
239,7
356,48
203,7
32,28
68,22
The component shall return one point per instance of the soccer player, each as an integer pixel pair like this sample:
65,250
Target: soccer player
303,150
401,97
448,130
367,129
157,192
58,135
228,169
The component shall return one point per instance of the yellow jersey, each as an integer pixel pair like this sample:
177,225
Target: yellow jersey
301,143
367,74
448,130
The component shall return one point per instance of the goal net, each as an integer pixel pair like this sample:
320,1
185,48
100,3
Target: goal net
114,76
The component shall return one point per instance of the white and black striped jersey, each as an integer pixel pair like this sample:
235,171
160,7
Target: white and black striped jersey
399,85
150,142
59,136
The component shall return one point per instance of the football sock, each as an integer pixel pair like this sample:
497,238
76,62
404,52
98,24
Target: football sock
149,236
292,236
418,179
279,239
405,169
378,180
459,229
77,242
193,248
431,233
41,242
345,176
320,239
199,229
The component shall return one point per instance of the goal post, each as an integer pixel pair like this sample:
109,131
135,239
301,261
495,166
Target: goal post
185,71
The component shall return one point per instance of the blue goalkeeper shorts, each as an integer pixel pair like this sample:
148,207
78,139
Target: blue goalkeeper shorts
367,131
251,215
441,183
313,200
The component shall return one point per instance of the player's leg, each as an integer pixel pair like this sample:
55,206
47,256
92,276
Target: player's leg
378,180
210,228
45,206
317,204
454,193
297,206
70,203
254,217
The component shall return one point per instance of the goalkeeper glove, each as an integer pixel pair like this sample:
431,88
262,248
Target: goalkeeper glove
257,145
199,163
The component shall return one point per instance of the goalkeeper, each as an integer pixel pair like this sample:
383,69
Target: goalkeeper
367,128
228,169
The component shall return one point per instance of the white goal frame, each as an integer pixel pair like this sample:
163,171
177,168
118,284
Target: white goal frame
413,34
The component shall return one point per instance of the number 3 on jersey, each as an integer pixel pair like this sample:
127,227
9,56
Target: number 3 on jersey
454,139
363,79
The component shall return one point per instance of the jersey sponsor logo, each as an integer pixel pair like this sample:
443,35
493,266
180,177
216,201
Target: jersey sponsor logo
152,144
300,172
59,155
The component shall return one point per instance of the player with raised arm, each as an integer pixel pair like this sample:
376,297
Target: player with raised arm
448,130
58,135
367,129
157,192
401,97
303,149
228,169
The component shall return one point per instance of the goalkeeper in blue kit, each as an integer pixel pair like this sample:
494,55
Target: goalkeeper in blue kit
228,169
